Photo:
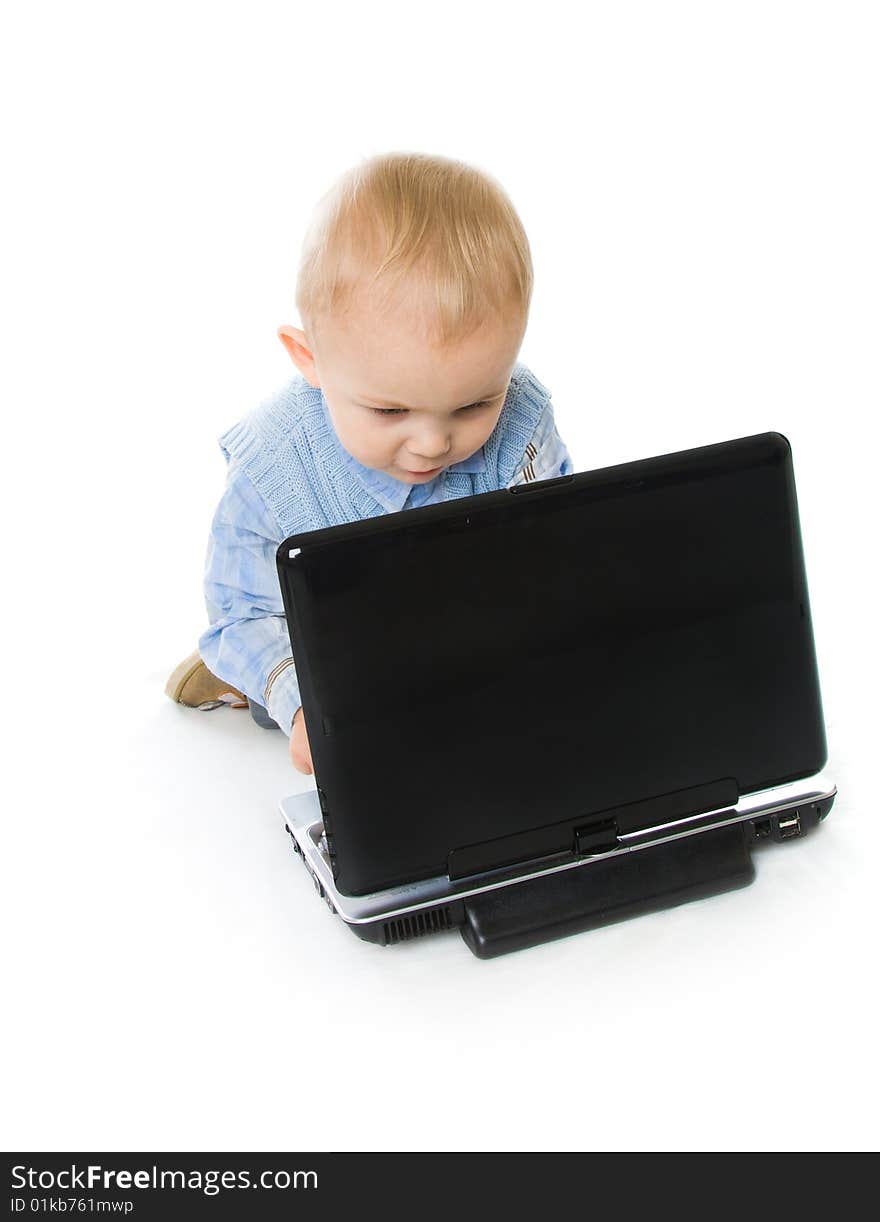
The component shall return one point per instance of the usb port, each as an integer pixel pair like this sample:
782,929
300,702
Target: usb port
790,826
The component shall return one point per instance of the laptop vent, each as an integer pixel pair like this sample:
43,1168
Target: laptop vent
417,925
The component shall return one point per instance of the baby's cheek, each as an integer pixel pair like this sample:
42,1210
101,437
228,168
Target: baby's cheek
367,445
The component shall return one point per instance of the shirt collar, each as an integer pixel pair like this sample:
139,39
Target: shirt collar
392,493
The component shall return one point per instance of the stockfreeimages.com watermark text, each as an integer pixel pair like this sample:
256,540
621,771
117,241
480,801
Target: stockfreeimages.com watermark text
103,1179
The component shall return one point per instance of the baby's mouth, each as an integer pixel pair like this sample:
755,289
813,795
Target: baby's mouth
421,472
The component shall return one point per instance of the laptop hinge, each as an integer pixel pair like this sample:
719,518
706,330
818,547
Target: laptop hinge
596,838
592,832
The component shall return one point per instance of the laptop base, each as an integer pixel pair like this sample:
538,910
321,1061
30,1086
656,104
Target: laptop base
534,902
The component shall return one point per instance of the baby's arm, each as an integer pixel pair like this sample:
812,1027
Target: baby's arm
247,643
546,455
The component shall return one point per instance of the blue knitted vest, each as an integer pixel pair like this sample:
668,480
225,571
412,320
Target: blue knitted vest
289,450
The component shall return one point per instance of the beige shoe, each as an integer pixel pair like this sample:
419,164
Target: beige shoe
191,683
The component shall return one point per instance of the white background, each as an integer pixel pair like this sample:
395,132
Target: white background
700,187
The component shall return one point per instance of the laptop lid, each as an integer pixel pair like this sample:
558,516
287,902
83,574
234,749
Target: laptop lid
499,677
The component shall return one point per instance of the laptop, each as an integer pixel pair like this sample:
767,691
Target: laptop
537,710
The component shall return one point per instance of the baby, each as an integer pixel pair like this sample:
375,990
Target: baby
413,290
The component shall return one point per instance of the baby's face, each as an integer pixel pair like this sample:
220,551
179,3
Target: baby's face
399,406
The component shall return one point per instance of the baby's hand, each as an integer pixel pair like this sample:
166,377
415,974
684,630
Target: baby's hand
300,752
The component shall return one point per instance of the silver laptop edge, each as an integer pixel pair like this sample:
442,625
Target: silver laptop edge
302,818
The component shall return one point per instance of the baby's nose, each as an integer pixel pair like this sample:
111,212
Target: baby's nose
430,447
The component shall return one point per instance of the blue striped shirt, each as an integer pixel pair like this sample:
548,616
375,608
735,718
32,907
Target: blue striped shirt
247,643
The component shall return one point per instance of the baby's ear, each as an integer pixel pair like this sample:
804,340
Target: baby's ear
294,340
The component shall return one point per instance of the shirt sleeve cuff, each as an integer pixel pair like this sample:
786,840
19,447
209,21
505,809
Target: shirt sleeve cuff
283,698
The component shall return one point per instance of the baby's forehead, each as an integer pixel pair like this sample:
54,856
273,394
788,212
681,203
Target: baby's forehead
386,348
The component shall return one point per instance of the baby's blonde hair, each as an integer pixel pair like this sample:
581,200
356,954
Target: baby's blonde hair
429,221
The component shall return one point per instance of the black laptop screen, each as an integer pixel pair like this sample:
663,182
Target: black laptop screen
480,668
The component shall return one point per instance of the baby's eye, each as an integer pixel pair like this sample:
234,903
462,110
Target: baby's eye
398,411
